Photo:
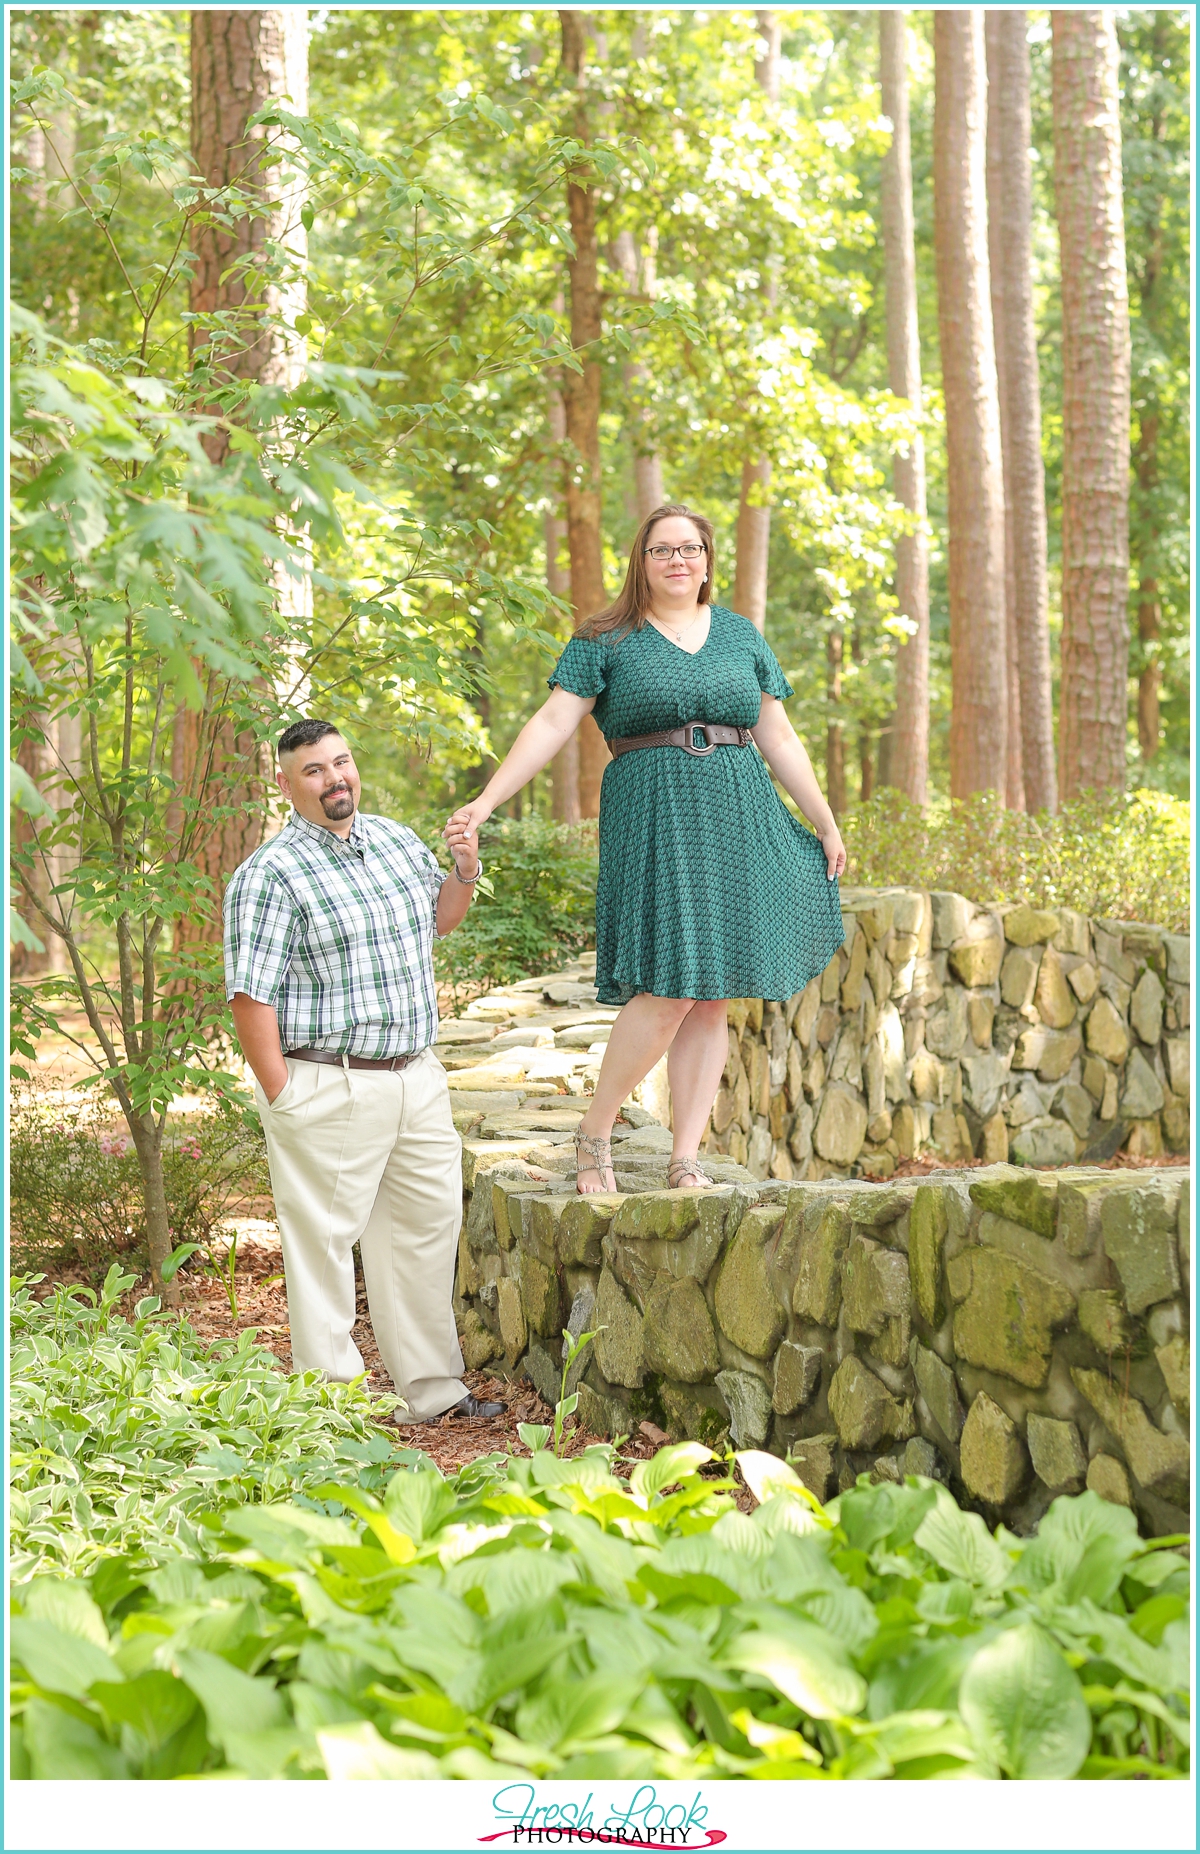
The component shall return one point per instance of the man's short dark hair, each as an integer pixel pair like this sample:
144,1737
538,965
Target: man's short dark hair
304,734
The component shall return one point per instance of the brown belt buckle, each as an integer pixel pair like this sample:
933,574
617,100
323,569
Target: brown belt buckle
693,728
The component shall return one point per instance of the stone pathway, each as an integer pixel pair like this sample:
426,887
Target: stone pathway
520,1062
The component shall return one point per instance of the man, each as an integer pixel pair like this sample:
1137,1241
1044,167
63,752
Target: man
329,931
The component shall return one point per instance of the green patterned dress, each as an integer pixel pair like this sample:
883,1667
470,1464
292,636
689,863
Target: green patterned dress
709,887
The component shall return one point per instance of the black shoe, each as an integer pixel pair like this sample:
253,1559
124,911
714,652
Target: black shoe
470,1410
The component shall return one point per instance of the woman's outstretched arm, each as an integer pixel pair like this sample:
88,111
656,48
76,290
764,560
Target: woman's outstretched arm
783,750
535,746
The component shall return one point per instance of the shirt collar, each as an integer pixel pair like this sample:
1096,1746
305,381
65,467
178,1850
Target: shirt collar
357,840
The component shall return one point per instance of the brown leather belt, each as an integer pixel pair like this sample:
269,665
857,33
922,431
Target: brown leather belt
715,733
353,1062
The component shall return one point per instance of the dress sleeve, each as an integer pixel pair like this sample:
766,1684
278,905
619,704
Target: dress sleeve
582,668
771,679
260,921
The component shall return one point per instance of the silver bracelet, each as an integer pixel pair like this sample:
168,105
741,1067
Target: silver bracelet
470,881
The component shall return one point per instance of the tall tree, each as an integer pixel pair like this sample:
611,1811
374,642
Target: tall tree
974,468
908,760
246,289
564,770
581,401
754,508
637,268
1010,238
1096,410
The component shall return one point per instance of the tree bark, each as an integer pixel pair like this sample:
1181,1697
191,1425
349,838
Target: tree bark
835,739
241,61
908,746
581,401
1096,409
564,768
1010,238
754,507
638,270
1149,612
974,468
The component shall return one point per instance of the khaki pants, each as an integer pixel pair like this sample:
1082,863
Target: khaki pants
370,1156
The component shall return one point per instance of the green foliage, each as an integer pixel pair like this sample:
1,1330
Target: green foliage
124,1431
1125,857
177,1613
75,1186
535,908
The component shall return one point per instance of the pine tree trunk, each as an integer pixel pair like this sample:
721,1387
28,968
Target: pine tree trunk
581,400
754,508
974,468
564,768
907,758
1010,239
1146,461
1096,410
637,269
835,738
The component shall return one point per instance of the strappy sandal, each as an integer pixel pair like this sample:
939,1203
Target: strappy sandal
687,1167
597,1153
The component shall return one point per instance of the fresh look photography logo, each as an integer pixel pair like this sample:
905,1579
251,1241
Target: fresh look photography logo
642,1820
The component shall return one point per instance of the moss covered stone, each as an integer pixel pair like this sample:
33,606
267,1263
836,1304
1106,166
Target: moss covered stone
1102,1317
1160,1463
1138,1230
927,1229
864,1409
697,1412
540,1296
513,1330
1026,926
748,1401
797,1373
822,1248
479,1345
581,1227
1006,1314
678,1334
992,1456
1057,1453
618,1343
665,1214
747,1305
937,1385
1031,1202
875,1297
815,1460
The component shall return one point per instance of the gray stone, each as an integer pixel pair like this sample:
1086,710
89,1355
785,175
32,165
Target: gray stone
1079,1201
1052,999
697,1411
875,1297
1138,1229
582,1319
747,1306
986,1076
1056,1452
815,1460
513,1330
479,1344
1146,1007
1043,1142
864,1409
951,917
1107,1477
618,1344
888,1468
543,1374
1006,1314
1018,975
668,1215
541,1297
976,961
581,1228
1074,1105
1175,1363
920,1457
946,1028
797,1372
927,1230
937,1385
1179,957
677,1334
1106,1033
991,1454
1160,1463
749,1404
602,1416
1074,933
841,1125
1178,1051
1084,981
1142,1094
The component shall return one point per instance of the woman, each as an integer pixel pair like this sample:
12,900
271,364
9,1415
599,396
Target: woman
709,888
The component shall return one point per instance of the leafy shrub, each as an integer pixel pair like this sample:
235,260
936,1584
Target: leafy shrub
1125,856
546,1617
535,909
121,1431
75,1187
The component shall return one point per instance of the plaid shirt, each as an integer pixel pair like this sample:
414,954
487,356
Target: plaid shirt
337,933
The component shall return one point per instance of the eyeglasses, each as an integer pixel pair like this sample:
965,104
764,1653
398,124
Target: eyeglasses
691,550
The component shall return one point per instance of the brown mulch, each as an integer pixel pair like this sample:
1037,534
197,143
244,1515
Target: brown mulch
1121,1162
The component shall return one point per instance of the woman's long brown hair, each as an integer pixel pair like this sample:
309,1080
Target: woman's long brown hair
628,610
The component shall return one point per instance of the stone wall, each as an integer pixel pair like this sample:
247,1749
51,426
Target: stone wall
1016,1333
948,1029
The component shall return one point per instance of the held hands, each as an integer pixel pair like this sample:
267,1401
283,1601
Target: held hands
835,850
462,836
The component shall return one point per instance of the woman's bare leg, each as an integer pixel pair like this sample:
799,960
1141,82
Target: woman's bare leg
695,1064
640,1036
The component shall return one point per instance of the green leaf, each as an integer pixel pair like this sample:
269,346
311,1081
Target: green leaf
59,1662
1024,1707
62,1748
419,1504
68,1605
669,1464
235,1704
804,1663
177,1258
962,1544
156,1704
358,1754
